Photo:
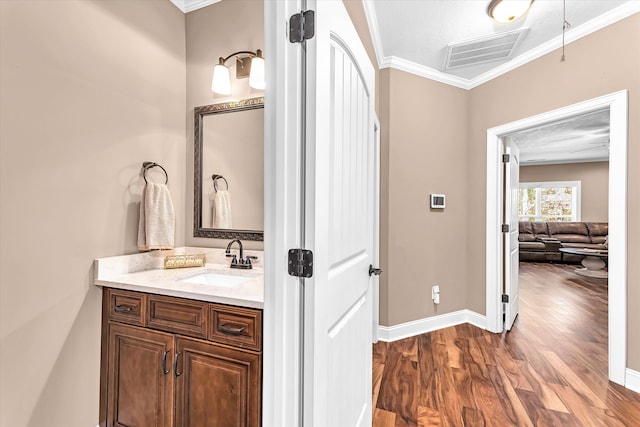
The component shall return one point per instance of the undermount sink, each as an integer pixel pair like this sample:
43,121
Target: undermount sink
215,279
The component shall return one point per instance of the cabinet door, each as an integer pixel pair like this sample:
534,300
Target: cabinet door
140,379
216,386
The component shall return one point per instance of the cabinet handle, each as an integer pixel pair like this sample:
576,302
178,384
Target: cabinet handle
164,362
175,364
231,330
124,308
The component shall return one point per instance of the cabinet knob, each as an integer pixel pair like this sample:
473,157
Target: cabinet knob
124,308
164,362
231,330
175,364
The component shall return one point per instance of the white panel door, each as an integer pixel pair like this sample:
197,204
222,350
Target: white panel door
339,223
511,247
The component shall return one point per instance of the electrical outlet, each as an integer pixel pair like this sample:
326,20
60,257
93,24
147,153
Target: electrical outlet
435,294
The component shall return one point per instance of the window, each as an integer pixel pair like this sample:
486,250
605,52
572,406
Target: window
549,201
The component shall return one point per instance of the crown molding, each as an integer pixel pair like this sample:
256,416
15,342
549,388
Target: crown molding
621,12
187,6
422,71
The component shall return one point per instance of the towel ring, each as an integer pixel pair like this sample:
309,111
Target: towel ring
215,178
149,165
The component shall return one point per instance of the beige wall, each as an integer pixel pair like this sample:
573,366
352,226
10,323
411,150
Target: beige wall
426,140
90,89
594,67
211,32
594,187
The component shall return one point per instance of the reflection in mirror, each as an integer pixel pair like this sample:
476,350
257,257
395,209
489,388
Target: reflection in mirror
229,170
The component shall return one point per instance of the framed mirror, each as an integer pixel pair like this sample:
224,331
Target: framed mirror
229,170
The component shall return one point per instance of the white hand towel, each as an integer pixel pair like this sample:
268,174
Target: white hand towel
156,229
222,209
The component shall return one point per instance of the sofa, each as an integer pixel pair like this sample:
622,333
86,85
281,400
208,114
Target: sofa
541,241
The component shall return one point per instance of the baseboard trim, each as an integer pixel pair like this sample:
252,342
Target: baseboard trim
632,380
429,324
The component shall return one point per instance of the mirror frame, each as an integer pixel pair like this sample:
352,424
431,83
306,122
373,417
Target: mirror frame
199,114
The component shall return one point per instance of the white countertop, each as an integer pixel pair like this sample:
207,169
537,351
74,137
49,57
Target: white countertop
144,272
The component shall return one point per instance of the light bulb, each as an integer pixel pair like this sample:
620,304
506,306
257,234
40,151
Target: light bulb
256,77
221,83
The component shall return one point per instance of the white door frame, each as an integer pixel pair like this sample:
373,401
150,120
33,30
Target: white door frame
282,361
281,379
376,226
617,104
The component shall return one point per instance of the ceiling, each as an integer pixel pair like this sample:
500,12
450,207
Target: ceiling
414,36
578,139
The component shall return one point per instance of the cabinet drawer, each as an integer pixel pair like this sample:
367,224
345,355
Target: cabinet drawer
126,307
178,315
241,327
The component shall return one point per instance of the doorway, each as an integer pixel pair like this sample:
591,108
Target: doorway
617,105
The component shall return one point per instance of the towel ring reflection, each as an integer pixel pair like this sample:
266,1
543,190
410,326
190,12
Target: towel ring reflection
215,178
148,165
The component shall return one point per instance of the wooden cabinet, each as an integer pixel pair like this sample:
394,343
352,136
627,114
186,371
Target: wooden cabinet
232,376
140,388
175,362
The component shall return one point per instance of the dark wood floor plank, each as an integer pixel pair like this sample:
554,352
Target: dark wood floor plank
511,407
575,382
428,417
512,370
549,370
399,388
473,417
517,412
382,418
427,371
380,352
378,371
586,415
447,398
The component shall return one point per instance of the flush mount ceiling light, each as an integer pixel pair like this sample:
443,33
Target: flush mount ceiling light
248,64
505,11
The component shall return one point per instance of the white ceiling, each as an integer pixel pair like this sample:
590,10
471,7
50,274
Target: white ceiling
578,139
413,36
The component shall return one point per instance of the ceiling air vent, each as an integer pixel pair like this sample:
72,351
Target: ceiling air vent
491,48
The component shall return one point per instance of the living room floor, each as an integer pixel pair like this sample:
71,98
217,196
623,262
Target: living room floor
550,369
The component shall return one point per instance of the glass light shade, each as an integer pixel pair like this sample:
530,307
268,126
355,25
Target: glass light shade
505,11
256,77
221,83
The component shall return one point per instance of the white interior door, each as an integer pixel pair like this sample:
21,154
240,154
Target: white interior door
339,222
511,247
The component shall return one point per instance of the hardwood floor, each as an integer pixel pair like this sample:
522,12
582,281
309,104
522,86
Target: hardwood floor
550,370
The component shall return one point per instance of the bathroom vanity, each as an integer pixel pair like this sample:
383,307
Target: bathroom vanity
180,347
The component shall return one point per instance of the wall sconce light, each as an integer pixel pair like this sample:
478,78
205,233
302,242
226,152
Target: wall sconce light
251,65
505,11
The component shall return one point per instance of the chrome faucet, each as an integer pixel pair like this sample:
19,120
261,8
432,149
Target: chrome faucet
239,261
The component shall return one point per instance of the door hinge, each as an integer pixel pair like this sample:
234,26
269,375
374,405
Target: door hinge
505,298
300,263
506,158
506,228
301,26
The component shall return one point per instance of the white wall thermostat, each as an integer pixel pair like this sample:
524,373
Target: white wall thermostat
437,201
